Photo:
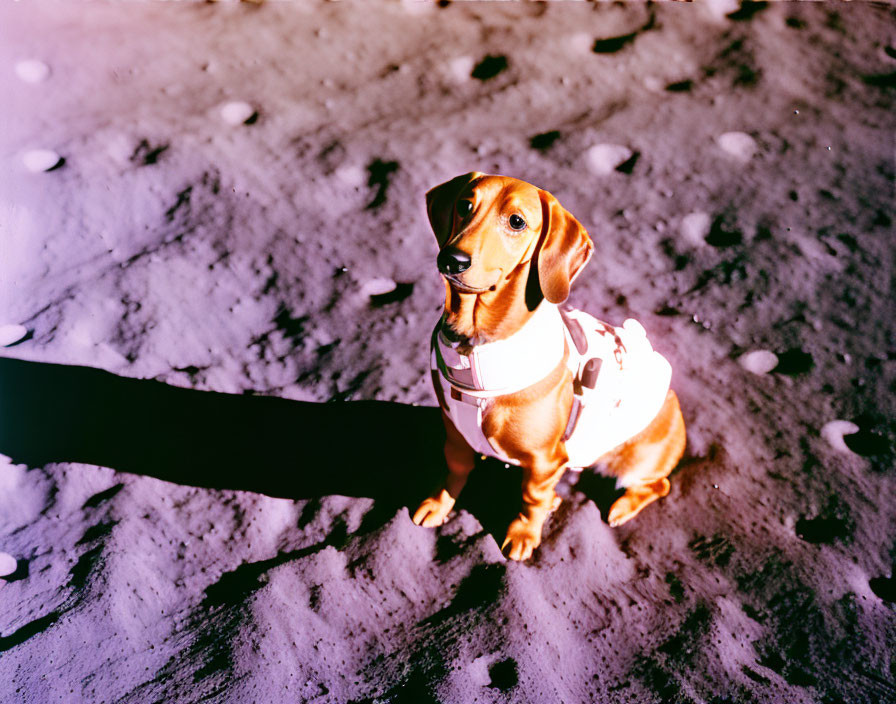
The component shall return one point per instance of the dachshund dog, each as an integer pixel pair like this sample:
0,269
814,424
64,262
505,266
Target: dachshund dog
524,379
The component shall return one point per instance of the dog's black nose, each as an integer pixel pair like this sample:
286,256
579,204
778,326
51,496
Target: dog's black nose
451,260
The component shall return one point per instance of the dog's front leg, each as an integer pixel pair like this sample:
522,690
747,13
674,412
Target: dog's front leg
460,458
539,499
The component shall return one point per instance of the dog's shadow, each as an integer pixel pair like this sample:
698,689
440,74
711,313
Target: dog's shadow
389,452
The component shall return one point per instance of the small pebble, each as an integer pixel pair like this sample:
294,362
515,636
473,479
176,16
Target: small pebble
11,334
833,432
758,361
740,145
720,8
702,322
580,42
37,160
461,68
377,287
353,176
415,7
695,228
603,159
121,148
236,112
32,70
8,564
653,84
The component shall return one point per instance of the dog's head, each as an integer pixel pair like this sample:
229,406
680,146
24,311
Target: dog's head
491,228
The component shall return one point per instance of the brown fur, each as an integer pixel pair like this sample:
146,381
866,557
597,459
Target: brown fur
493,299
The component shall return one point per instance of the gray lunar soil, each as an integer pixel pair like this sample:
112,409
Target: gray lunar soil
217,285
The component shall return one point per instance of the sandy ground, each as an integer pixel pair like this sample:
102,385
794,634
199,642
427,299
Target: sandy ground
212,232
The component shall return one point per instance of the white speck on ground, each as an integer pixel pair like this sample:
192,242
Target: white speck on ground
36,160
758,361
8,564
695,228
10,334
377,287
720,9
603,159
461,67
32,70
236,112
740,145
833,432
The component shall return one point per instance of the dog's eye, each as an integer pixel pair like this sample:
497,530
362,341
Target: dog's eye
464,208
516,222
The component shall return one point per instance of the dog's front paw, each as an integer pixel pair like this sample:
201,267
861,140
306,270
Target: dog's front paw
523,536
434,510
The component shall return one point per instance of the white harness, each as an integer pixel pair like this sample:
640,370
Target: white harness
620,383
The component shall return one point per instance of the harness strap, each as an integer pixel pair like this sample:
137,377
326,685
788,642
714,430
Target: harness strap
574,413
508,365
434,372
607,363
584,375
438,387
577,335
574,328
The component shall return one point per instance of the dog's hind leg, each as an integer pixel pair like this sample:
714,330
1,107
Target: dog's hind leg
636,498
460,458
643,463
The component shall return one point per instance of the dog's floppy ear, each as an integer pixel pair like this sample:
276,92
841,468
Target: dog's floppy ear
440,204
564,250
